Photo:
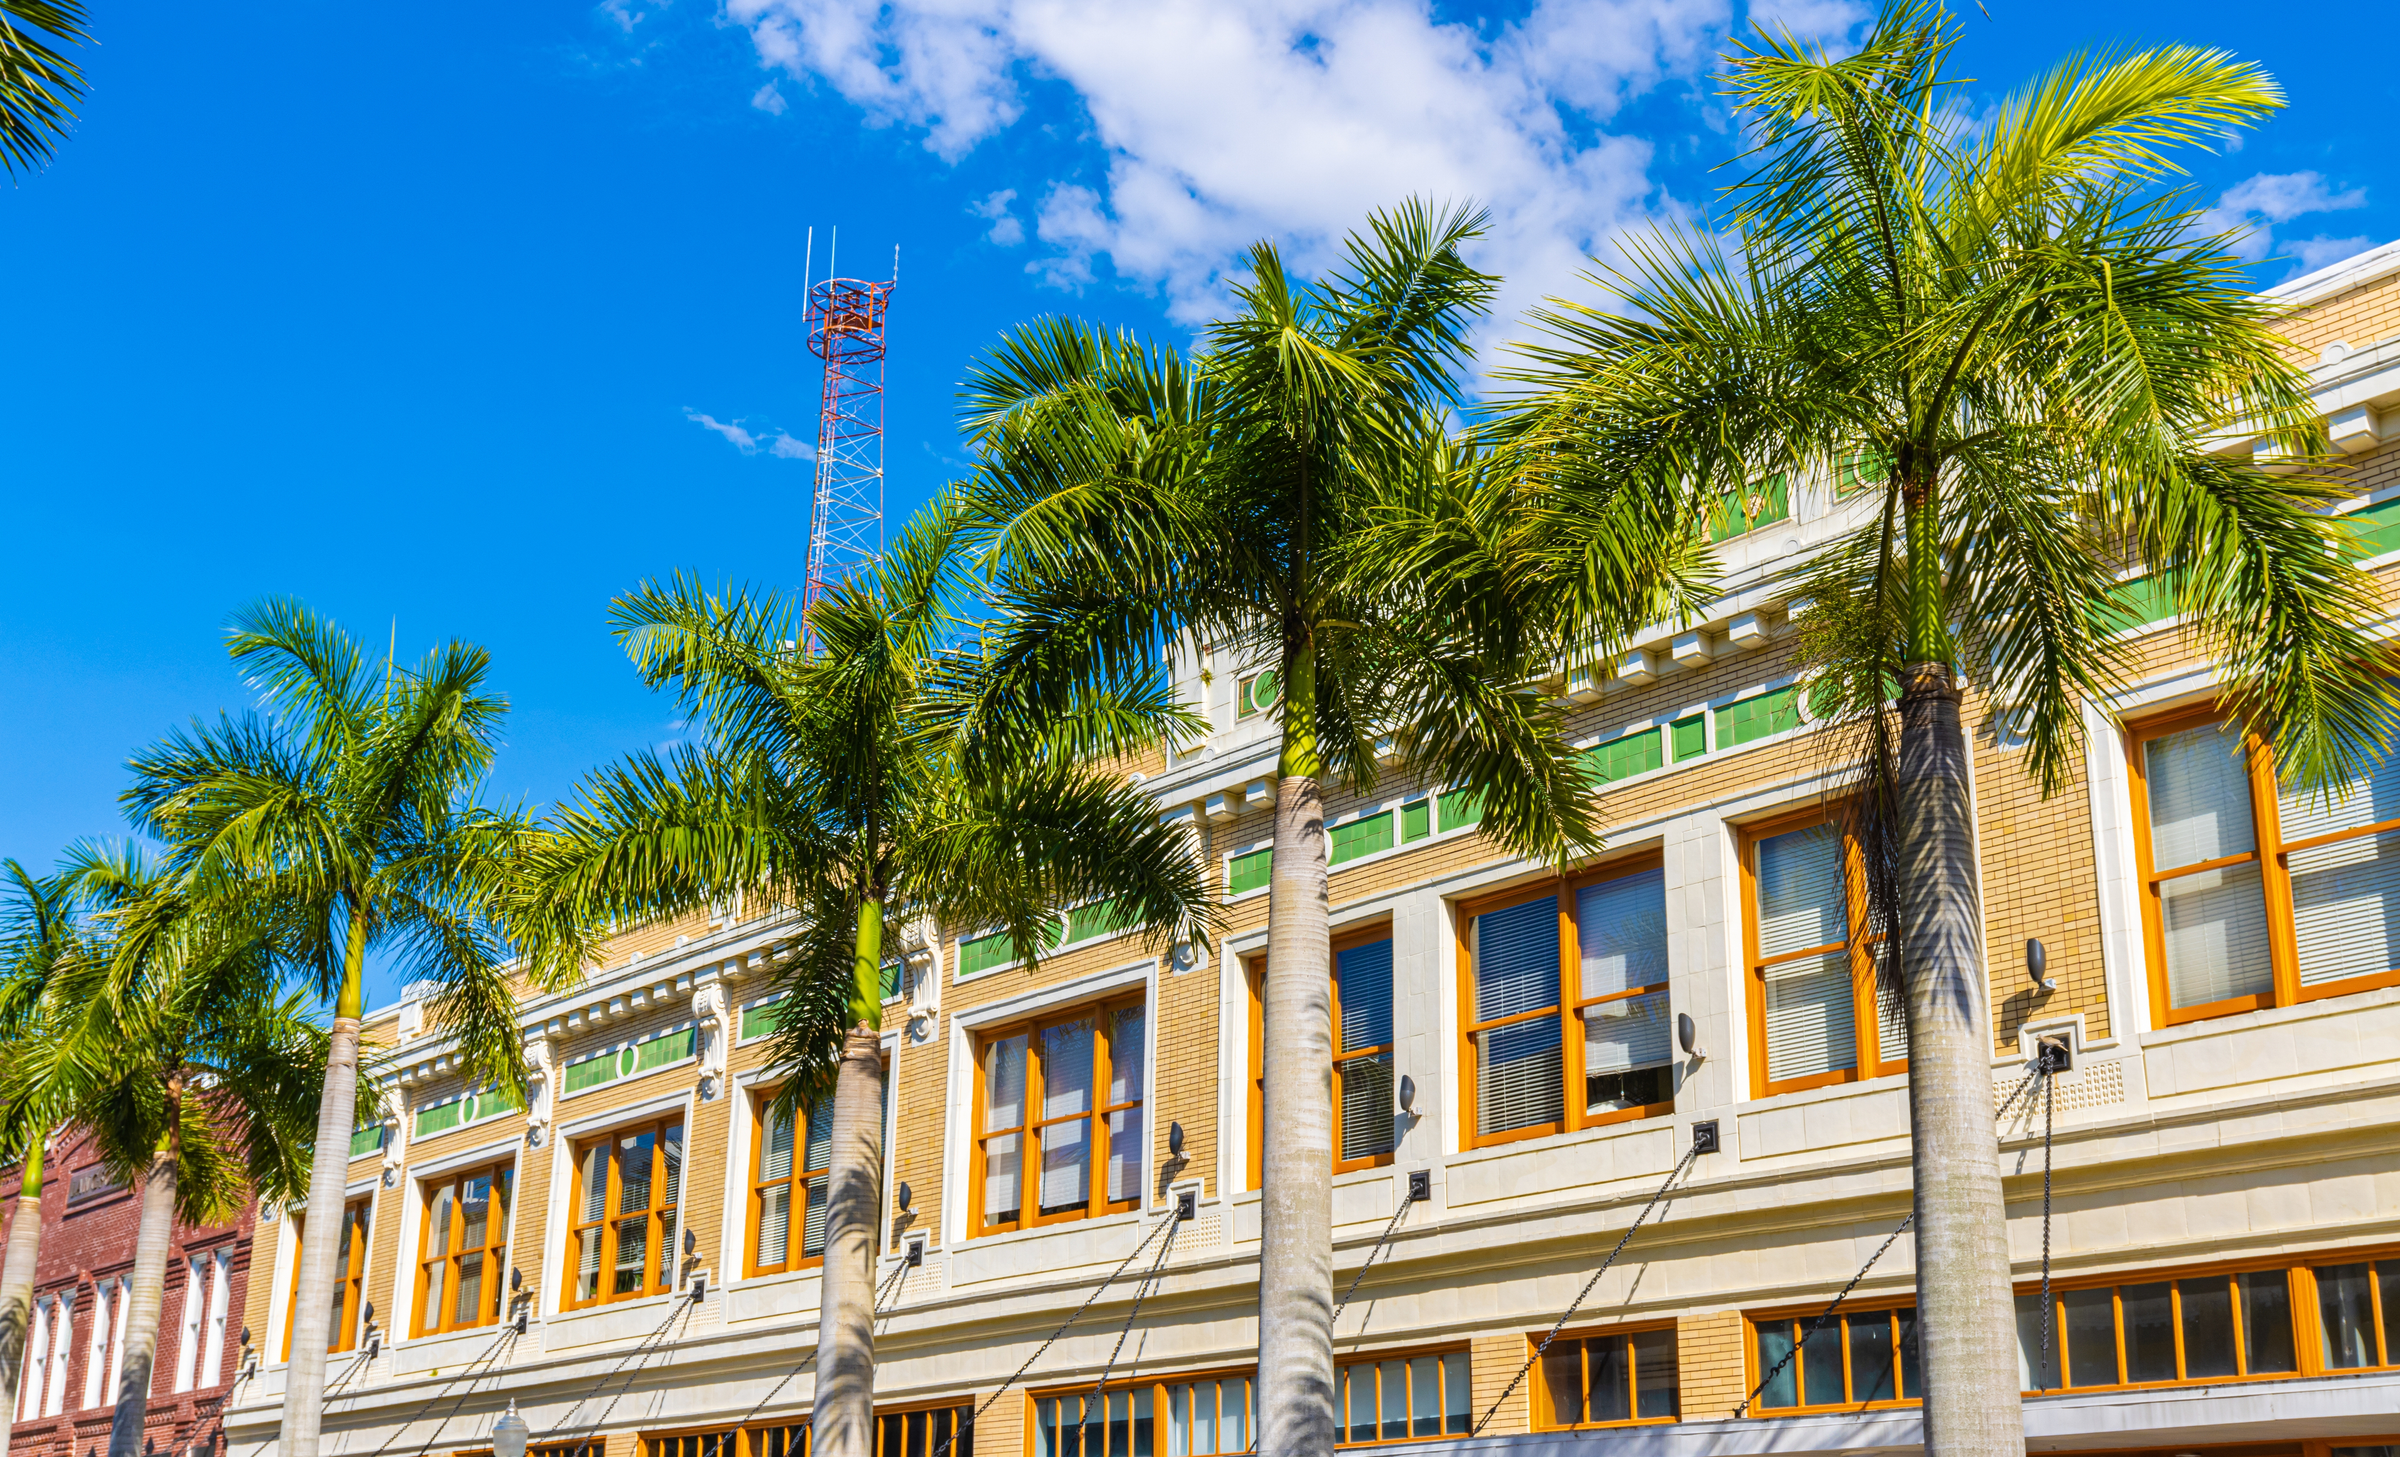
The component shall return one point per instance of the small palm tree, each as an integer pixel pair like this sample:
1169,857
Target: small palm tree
1293,494
827,783
348,817
2020,354
38,939
195,1072
39,86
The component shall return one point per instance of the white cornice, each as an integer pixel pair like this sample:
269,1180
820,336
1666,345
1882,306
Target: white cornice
2296,294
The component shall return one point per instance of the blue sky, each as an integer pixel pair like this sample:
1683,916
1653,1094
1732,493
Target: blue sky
410,311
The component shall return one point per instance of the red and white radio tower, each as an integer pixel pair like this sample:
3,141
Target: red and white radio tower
845,527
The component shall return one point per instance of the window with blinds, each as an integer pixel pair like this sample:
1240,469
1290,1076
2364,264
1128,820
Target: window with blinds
625,1209
1568,1016
1858,1358
2226,850
1059,1118
1818,1012
1401,1398
1364,1113
1202,1417
1614,1379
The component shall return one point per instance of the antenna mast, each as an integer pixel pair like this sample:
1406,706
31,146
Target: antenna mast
845,319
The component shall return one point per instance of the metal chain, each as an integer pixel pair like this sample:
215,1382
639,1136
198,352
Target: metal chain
1588,1286
2023,1083
683,1307
1380,1240
892,1285
1140,1289
466,1373
1819,1323
944,1449
2049,1110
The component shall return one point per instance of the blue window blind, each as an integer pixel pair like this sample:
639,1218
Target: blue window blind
1520,1070
1364,974
1363,981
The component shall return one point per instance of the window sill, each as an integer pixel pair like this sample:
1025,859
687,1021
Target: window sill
2329,1038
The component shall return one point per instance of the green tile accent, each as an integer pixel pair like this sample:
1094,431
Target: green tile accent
1624,756
1416,821
1359,837
1755,718
1762,503
1691,737
982,953
891,980
590,1072
1459,809
440,1118
1867,468
2378,528
665,1051
763,1019
2138,602
1100,918
366,1140
1246,873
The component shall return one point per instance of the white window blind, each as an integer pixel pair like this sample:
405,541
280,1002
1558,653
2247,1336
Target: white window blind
2346,894
775,1203
1520,1069
1621,931
2214,922
1003,1107
212,1365
1126,1146
187,1344
62,1332
816,1153
1067,1091
1810,1029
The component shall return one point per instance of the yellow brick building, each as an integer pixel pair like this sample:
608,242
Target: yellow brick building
2224,1219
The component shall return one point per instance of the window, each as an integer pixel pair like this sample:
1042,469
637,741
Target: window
1060,1098
1363,1110
1394,1398
1858,1358
2214,1325
49,1343
349,1278
1208,1416
789,1160
596,1447
1608,1380
464,1250
628,1188
104,1356
37,1360
195,1316
691,1444
212,1363
1818,1012
1567,1015
2255,895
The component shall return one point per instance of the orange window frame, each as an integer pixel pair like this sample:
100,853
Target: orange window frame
350,1282
2270,853
1568,1007
1798,1321
498,1224
1254,974
761,1189
1103,1016
663,1214
1869,1061
2301,1306
1157,1388
1545,1413
1406,1358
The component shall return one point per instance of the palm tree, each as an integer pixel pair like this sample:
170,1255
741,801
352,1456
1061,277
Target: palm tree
828,783
2021,353
348,813
38,936
39,86
1292,495
196,1073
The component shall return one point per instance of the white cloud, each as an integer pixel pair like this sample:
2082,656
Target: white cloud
1223,121
2320,251
626,14
2260,201
769,99
749,442
1006,230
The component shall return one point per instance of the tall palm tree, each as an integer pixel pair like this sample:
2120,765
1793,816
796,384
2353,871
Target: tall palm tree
827,783
38,937
1293,495
196,1072
348,813
39,85
2033,350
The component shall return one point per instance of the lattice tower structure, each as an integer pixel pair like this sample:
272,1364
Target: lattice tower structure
845,526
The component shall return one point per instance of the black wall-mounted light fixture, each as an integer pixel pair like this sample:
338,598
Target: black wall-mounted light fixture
1175,1140
906,1196
1687,1035
2037,962
1408,1093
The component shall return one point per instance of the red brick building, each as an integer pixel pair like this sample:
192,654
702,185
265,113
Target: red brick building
66,1393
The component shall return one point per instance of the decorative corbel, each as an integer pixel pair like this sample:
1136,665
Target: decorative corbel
395,1131
708,1018
537,1090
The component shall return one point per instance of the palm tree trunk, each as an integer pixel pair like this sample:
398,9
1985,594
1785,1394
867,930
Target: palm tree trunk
1295,1259
151,1241
1966,1323
16,1285
842,1420
320,1233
